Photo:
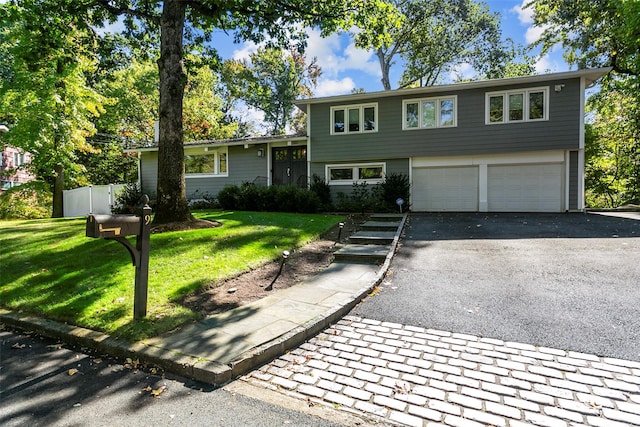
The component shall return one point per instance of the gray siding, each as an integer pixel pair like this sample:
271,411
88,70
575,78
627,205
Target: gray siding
243,165
573,180
470,137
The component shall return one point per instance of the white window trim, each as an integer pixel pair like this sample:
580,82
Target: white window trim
355,167
210,152
505,105
437,100
346,109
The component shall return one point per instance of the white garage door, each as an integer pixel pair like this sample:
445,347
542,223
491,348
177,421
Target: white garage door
452,189
525,188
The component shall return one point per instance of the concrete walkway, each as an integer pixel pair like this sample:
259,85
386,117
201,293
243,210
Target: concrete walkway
222,347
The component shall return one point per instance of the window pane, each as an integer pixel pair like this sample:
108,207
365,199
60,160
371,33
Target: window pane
536,105
428,114
446,112
337,174
411,115
338,121
354,119
369,118
223,163
496,109
199,164
370,173
516,106
299,153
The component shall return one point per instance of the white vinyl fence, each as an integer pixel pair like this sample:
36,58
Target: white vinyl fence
94,199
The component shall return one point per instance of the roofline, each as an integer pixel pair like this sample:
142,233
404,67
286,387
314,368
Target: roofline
591,75
253,140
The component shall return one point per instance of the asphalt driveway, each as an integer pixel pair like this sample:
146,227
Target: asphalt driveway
568,281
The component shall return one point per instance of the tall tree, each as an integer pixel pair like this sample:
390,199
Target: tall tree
601,33
435,37
280,22
270,80
594,33
612,146
44,94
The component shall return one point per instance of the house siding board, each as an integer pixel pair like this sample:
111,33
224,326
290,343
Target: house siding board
471,136
149,172
573,180
243,165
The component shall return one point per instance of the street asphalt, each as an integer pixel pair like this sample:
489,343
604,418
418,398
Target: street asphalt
568,281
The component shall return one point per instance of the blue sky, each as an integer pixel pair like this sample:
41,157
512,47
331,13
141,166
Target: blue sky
346,67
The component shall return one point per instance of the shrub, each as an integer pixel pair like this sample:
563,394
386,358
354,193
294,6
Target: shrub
380,198
228,197
32,200
322,190
251,197
394,186
128,200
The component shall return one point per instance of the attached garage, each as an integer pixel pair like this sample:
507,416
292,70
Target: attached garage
439,189
525,188
527,182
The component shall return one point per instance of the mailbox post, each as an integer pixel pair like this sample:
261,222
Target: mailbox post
117,227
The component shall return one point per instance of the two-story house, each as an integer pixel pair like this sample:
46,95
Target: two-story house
506,145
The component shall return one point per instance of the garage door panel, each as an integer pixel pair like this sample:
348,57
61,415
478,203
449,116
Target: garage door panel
452,189
525,188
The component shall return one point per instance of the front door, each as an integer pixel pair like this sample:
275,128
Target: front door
290,166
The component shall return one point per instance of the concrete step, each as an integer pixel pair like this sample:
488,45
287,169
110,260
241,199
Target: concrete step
380,226
366,254
386,217
367,237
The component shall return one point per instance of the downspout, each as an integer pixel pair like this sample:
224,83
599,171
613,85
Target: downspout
581,197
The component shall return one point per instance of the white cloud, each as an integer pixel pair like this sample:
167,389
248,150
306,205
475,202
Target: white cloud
525,16
462,71
248,48
329,87
334,57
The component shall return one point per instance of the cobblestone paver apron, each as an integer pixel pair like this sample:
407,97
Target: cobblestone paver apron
405,375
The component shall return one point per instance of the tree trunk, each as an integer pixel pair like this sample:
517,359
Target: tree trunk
171,197
385,66
58,188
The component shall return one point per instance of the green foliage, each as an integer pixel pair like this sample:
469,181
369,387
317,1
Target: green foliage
271,80
46,99
27,201
248,197
128,200
436,36
612,144
49,267
321,189
594,33
394,186
380,198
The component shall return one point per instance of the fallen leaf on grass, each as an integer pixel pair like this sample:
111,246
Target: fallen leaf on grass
18,346
72,371
55,346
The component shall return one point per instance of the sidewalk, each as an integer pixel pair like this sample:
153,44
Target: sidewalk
220,348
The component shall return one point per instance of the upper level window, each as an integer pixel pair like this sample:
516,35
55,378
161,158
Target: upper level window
207,163
517,106
429,113
354,119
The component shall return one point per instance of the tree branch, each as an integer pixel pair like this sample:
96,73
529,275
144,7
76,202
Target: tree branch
106,4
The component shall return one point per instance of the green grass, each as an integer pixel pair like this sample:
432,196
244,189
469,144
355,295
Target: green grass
49,267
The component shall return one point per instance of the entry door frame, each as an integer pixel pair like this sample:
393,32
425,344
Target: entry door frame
289,165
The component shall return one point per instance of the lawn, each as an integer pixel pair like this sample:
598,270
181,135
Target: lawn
51,269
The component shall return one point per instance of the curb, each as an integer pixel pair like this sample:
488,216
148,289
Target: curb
207,371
